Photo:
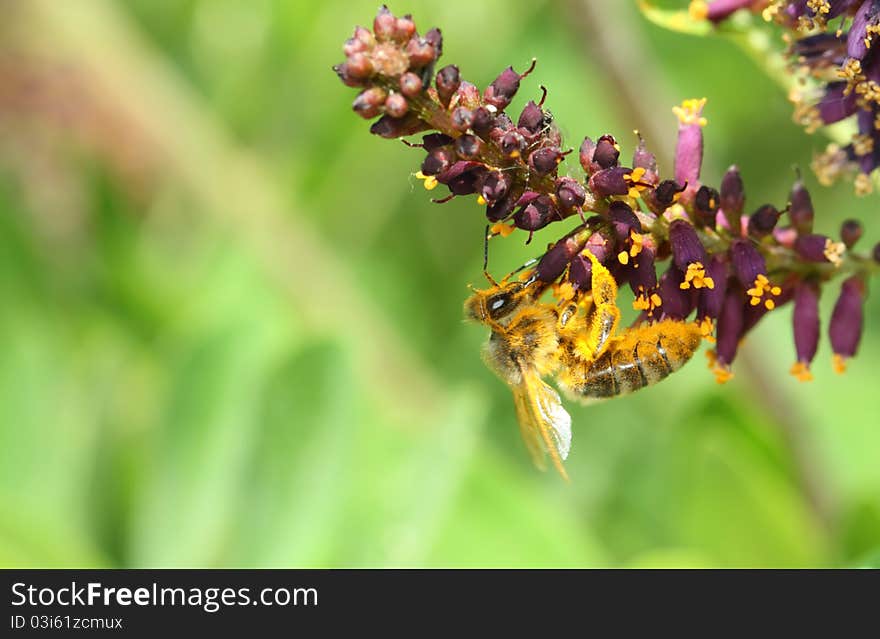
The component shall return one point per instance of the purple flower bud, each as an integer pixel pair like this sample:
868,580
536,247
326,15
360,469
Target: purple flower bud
712,299
748,263
495,186
383,24
611,181
362,40
468,95
607,152
504,87
677,303
359,66
410,84
404,28
643,274
389,127
850,232
733,197
483,122
580,273
664,194
435,39
369,102
461,118
623,220
644,159
763,221
503,208
816,248
686,246
531,118
447,81
536,213
588,148
570,193
433,141
730,327
420,53
800,210
513,144
437,161
468,147
847,321
463,177
719,10
866,16
706,204
805,321
837,103
554,261
545,161
396,105
689,148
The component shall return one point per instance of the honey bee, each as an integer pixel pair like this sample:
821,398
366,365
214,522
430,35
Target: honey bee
531,340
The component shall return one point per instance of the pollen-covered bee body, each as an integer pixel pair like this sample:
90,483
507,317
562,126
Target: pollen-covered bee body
530,340
638,358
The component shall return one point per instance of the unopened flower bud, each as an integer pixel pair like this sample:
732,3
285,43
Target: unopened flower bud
847,321
483,122
706,204
531,118
611,181
462,118
801,208
504,87
545,161
435,39
420,53
389,127
733,196
805,322
607,152
554,261
686,246
468,147
588,148
361,41
410,84
447,81
570,193
384,24
536,212
495,186
513,144
850,232
763,221
359,66
437,161
396,105
404,28
369,103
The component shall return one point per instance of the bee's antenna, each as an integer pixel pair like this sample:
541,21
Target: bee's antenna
486,236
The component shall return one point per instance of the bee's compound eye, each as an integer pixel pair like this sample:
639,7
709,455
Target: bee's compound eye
497,305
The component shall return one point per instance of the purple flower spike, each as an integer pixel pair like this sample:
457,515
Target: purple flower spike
806,329
730,328
689,149
847,321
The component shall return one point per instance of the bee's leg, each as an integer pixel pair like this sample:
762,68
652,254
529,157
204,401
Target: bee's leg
605,317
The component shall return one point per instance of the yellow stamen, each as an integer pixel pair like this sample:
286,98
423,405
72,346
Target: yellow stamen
834,251
481,200
502,229
696,277
838,363
759,289
689,112
430,182
801,370
698,10
863,184
707,327
623,258
722,372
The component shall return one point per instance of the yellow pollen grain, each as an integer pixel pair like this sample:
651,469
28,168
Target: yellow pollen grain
698,10
481,200
834,251
838,363
863,184
623,258
696,277
801,370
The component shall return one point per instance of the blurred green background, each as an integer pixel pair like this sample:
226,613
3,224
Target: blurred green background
231,331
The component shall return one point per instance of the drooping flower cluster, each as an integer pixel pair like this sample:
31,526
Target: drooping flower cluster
832,51
726,269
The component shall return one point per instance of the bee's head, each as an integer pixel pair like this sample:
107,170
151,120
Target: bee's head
490,306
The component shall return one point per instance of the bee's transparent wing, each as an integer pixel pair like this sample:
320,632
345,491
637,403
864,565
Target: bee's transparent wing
544,423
